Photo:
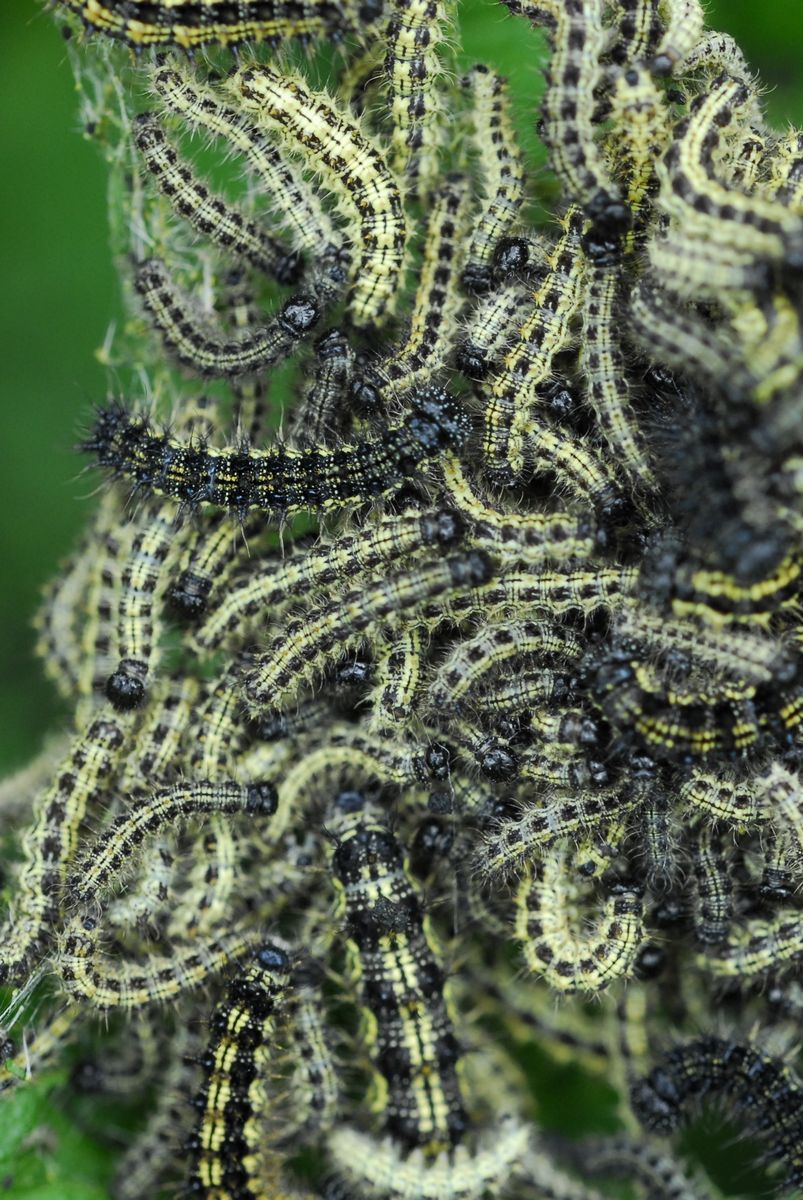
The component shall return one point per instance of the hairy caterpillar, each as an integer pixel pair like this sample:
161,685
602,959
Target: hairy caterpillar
401,981
279,480
189,24
352,166
763,1090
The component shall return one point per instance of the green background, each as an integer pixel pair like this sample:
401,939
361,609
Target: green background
59,293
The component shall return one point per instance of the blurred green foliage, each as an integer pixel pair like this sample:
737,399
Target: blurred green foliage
59,293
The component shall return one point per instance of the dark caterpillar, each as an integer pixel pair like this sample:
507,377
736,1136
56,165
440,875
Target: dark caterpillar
281,479
193,23
412,1041
226,1146
764,1091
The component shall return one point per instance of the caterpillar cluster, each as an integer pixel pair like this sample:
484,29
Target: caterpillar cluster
479,682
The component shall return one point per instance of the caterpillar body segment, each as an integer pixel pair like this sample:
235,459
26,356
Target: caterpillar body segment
281,480
412,71
209,214
352,166
639,26
309,226
51,840
414,1048
512,390
189,25
501,171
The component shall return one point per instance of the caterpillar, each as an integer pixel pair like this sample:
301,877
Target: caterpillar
576,30
321,410
684,21
641,119
512,390
399,675
387,539
106,982
279,480
521,537
764,1091
227,1149
745,656
401,981
380,1169
41,1047
188,24
217,219
168,1124
488,650
352,166
51,840
297,653
578,467
412,67
625,1158
314,1087
490,328
714,887
722,798
510,844
571,960
152,758
603,367
501,172
757,948
114,847
550,593
435,304
202,346
310,228
211,556
690,191
142,583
